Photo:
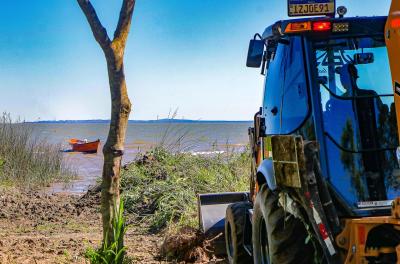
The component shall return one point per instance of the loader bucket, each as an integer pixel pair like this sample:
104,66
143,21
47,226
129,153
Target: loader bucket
212,208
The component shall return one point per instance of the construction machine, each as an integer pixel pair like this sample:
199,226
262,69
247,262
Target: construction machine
325,177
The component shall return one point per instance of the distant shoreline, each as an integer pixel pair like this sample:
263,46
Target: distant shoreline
160,121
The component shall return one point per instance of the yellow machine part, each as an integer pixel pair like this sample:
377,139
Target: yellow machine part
392,36
353,239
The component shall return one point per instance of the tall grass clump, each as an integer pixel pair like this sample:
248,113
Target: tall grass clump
26,160
176,137
160,188
114,252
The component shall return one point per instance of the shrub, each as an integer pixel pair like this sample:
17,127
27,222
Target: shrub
160,188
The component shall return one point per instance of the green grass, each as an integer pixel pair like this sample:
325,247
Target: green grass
160,188
26,160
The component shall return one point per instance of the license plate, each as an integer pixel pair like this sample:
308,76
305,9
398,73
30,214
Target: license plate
311,8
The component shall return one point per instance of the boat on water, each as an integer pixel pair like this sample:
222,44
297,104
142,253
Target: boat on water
84,146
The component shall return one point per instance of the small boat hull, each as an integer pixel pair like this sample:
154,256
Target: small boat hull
89,147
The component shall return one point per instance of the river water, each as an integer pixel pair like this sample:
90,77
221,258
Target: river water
197,138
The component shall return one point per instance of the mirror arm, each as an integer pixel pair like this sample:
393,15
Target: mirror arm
257,35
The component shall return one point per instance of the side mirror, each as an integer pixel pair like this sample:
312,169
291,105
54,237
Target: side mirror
363,58
255,53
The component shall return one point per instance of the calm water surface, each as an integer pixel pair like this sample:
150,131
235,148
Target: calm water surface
196,138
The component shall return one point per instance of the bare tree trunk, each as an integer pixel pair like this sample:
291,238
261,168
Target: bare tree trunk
120,106
114,147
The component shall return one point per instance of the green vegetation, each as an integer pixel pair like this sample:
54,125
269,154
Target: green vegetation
160,187
26,160
113,253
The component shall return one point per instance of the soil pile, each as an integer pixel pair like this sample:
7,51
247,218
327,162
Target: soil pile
189,245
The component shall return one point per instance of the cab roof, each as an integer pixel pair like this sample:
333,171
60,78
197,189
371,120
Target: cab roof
358,26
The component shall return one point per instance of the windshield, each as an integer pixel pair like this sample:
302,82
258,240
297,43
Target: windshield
359,118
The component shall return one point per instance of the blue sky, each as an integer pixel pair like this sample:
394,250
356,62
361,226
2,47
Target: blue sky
185,54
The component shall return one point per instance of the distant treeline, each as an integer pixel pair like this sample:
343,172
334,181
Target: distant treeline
103,121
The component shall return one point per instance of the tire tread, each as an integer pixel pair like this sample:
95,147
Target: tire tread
286,236
236,217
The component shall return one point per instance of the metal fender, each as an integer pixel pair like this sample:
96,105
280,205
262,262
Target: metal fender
265,173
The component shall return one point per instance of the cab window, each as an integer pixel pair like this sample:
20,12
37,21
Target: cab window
286,97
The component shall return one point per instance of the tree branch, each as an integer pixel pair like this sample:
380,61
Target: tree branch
124,22
99,32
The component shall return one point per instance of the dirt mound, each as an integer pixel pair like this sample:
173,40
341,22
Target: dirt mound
89,201
37,227
41,228
189,245
40,207
36,207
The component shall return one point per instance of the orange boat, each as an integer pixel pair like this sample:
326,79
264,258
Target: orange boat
84,146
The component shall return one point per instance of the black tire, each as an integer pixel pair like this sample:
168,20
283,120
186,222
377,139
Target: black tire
278,237
234,233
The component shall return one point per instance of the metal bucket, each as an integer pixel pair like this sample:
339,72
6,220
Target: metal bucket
212,209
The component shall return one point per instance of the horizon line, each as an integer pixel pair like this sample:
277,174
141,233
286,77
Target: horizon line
137,120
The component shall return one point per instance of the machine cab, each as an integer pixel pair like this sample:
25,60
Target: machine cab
329,80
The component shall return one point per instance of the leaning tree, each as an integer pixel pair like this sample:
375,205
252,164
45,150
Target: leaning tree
120,105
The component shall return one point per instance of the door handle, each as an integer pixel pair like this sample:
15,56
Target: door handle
274,110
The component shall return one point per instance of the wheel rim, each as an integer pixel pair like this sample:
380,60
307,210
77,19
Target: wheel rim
230,244
263,238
